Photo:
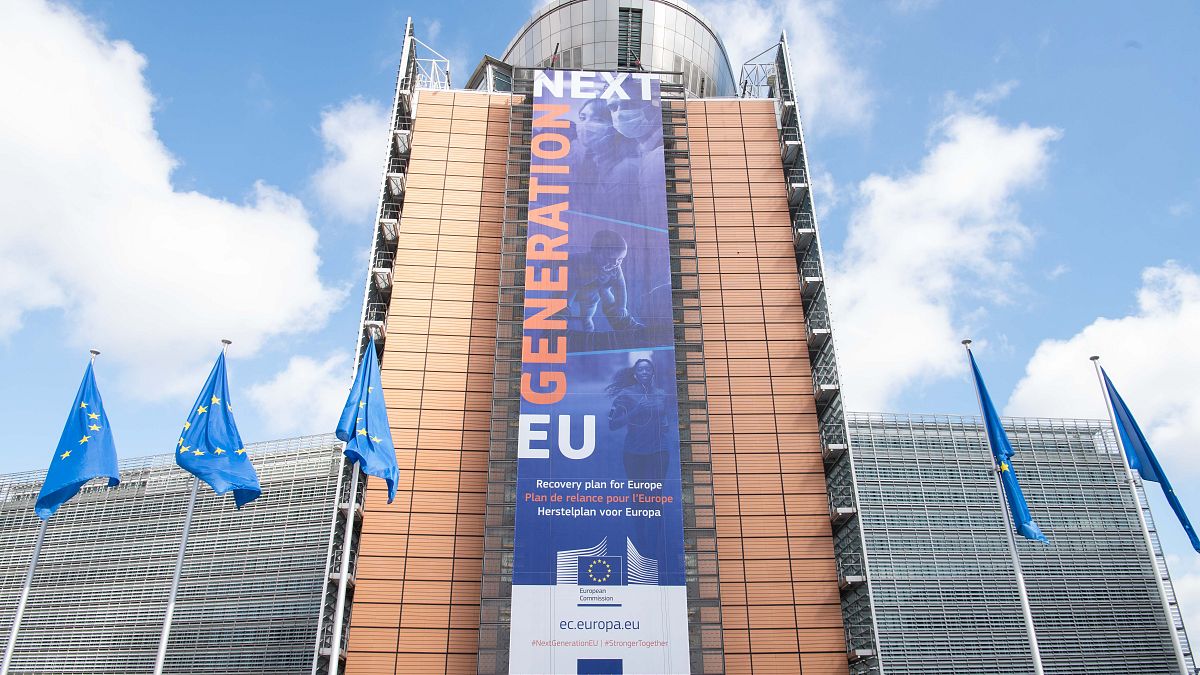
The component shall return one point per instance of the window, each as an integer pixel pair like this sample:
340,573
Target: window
629,38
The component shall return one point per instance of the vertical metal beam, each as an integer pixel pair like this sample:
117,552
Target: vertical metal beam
337,500
339,609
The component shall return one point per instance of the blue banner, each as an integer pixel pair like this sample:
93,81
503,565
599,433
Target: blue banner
598,569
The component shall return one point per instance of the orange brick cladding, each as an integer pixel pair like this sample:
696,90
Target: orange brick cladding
780,603
416,603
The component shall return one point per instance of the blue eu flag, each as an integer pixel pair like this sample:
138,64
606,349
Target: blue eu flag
210,446
85,450
1002,451
364,424
600,570
1141,457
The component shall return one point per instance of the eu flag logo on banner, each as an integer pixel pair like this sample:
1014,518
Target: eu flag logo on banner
1002,452
210,446
85,450
364,424
600,570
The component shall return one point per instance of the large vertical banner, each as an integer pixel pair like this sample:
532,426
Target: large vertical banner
598,569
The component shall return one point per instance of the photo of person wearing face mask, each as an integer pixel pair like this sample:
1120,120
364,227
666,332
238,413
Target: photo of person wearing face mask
633,120
599,283
608,163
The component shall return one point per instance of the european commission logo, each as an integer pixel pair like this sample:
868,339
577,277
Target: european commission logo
600,570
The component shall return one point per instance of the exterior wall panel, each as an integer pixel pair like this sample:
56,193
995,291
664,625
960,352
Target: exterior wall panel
250,589
417,600
779,585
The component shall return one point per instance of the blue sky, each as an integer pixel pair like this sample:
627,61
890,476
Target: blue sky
1024,174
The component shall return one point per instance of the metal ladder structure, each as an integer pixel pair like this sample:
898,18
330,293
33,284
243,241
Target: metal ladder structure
346,525
495,601
768,75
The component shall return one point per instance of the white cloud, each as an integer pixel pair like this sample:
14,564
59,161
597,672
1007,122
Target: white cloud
306,397
432,30
1150,356
93,227
995,93
827,194
355,137
1057,271
952,102
1179,209
929,249
833,95
911,6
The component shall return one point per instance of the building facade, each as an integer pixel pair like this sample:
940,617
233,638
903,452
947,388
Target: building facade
762,438
251,588
779,562
802,552
941,574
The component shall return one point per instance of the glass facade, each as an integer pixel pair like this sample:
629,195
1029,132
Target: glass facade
652,35
941,573
251,587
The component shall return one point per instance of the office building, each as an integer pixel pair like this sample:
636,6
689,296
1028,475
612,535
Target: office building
251,588
941,575
597,293
777,559
759,401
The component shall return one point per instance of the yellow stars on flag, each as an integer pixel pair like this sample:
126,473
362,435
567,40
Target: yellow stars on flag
93,416
82,405
375,439
240,452
66,454
85,439
201,410
186,425
181,441
183,448
1003,467
216,400
362,432
362,404
198,453
94,427
219,451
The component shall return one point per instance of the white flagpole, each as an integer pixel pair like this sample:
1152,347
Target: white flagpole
1012,542
166,629
1137,505
10,649
339,610
163,638
12,636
